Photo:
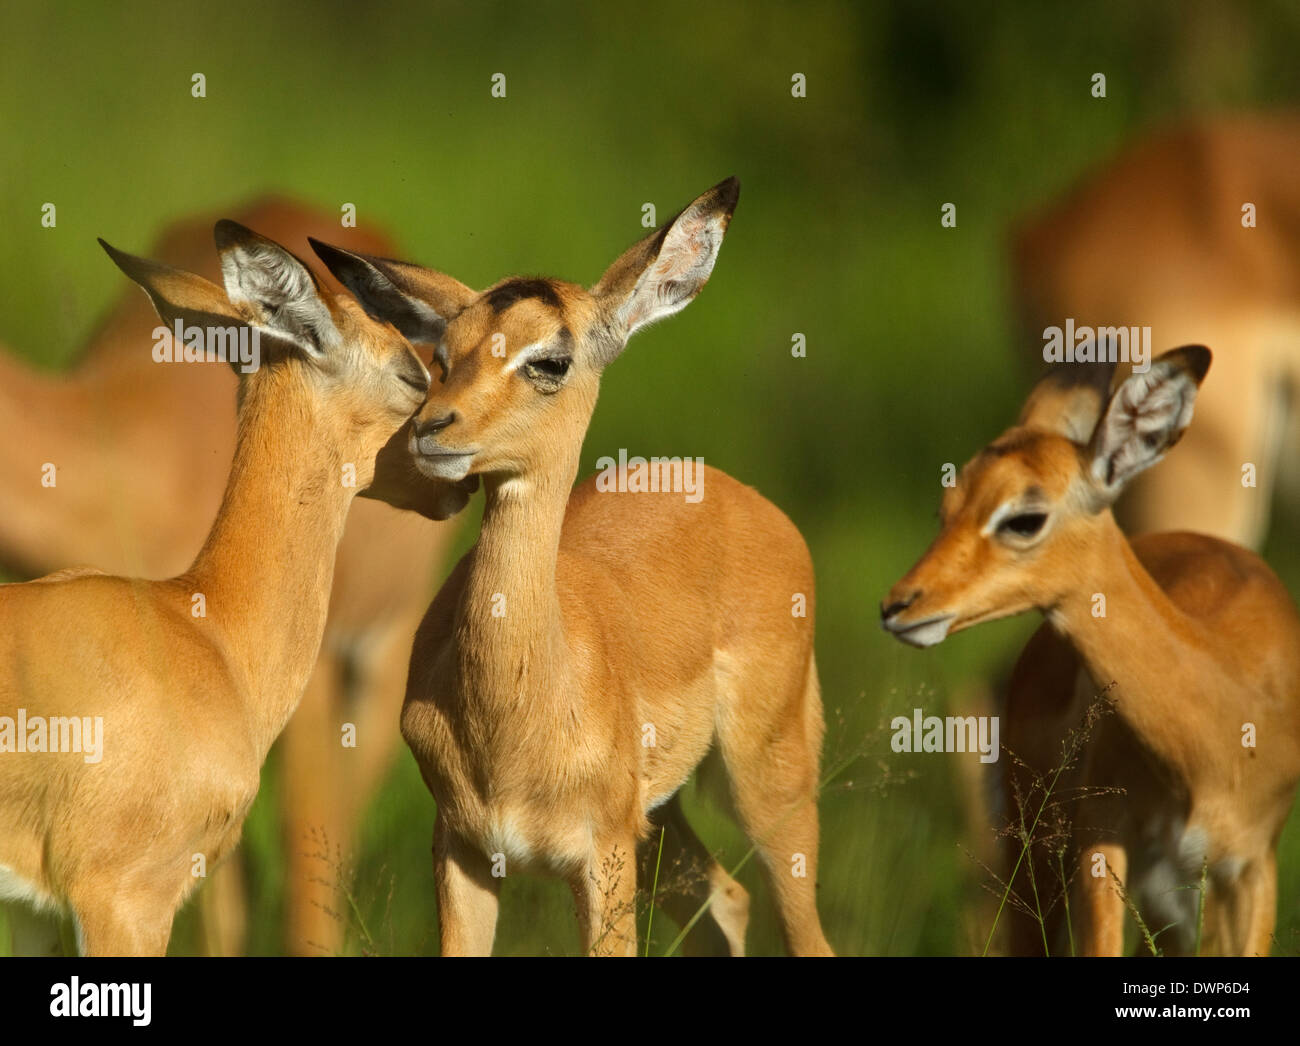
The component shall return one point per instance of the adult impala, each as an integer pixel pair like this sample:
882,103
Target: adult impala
192,679
1194,232
1193,640
139,499
590,649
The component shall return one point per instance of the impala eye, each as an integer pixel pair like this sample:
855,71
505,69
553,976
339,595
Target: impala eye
1025,525
548,372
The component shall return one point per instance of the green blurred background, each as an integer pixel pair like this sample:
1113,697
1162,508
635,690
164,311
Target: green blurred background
912,356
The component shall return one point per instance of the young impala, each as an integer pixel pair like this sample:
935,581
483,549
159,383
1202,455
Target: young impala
591,648
139,499
185,683
1193,640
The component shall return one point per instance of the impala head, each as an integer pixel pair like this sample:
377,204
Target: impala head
368,378
517,367
1026,508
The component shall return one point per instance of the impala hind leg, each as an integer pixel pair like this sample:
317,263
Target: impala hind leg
1240,914
467,895
223,909
313,803
375,705
773,768
605,894
1261,912
1099,906
690,877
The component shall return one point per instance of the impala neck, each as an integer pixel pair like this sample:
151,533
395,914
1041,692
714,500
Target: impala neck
510,637
1153,661
268,564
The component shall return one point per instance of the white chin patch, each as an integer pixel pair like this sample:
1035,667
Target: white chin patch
927,633
449,467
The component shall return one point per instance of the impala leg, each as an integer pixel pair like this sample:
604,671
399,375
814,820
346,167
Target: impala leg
111,922
467,895
223,909
1263,915
313,807
689,877
1099,907
1254,910
605,893
773,775
375,707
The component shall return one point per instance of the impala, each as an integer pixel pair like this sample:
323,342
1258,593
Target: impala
193,678
139,499
1193,233
1192,640
592,647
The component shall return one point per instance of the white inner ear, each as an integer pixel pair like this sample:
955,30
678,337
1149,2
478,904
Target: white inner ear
281,291
1147,414
685,261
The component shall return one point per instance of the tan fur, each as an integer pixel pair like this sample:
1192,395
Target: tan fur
1155,238
1198,638
621,611
143,452
191,705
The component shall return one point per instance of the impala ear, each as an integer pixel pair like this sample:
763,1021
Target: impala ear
419,302
276,289
1147,415
662,273
1068,400
177,294
182,296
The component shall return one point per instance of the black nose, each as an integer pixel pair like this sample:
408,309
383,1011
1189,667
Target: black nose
432,426
898,606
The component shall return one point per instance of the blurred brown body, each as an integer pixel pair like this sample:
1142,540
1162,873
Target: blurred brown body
1192,640
1156,238
143,451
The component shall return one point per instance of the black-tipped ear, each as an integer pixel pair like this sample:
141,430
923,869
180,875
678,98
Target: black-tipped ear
419,302
1195,359
662,273
177,294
